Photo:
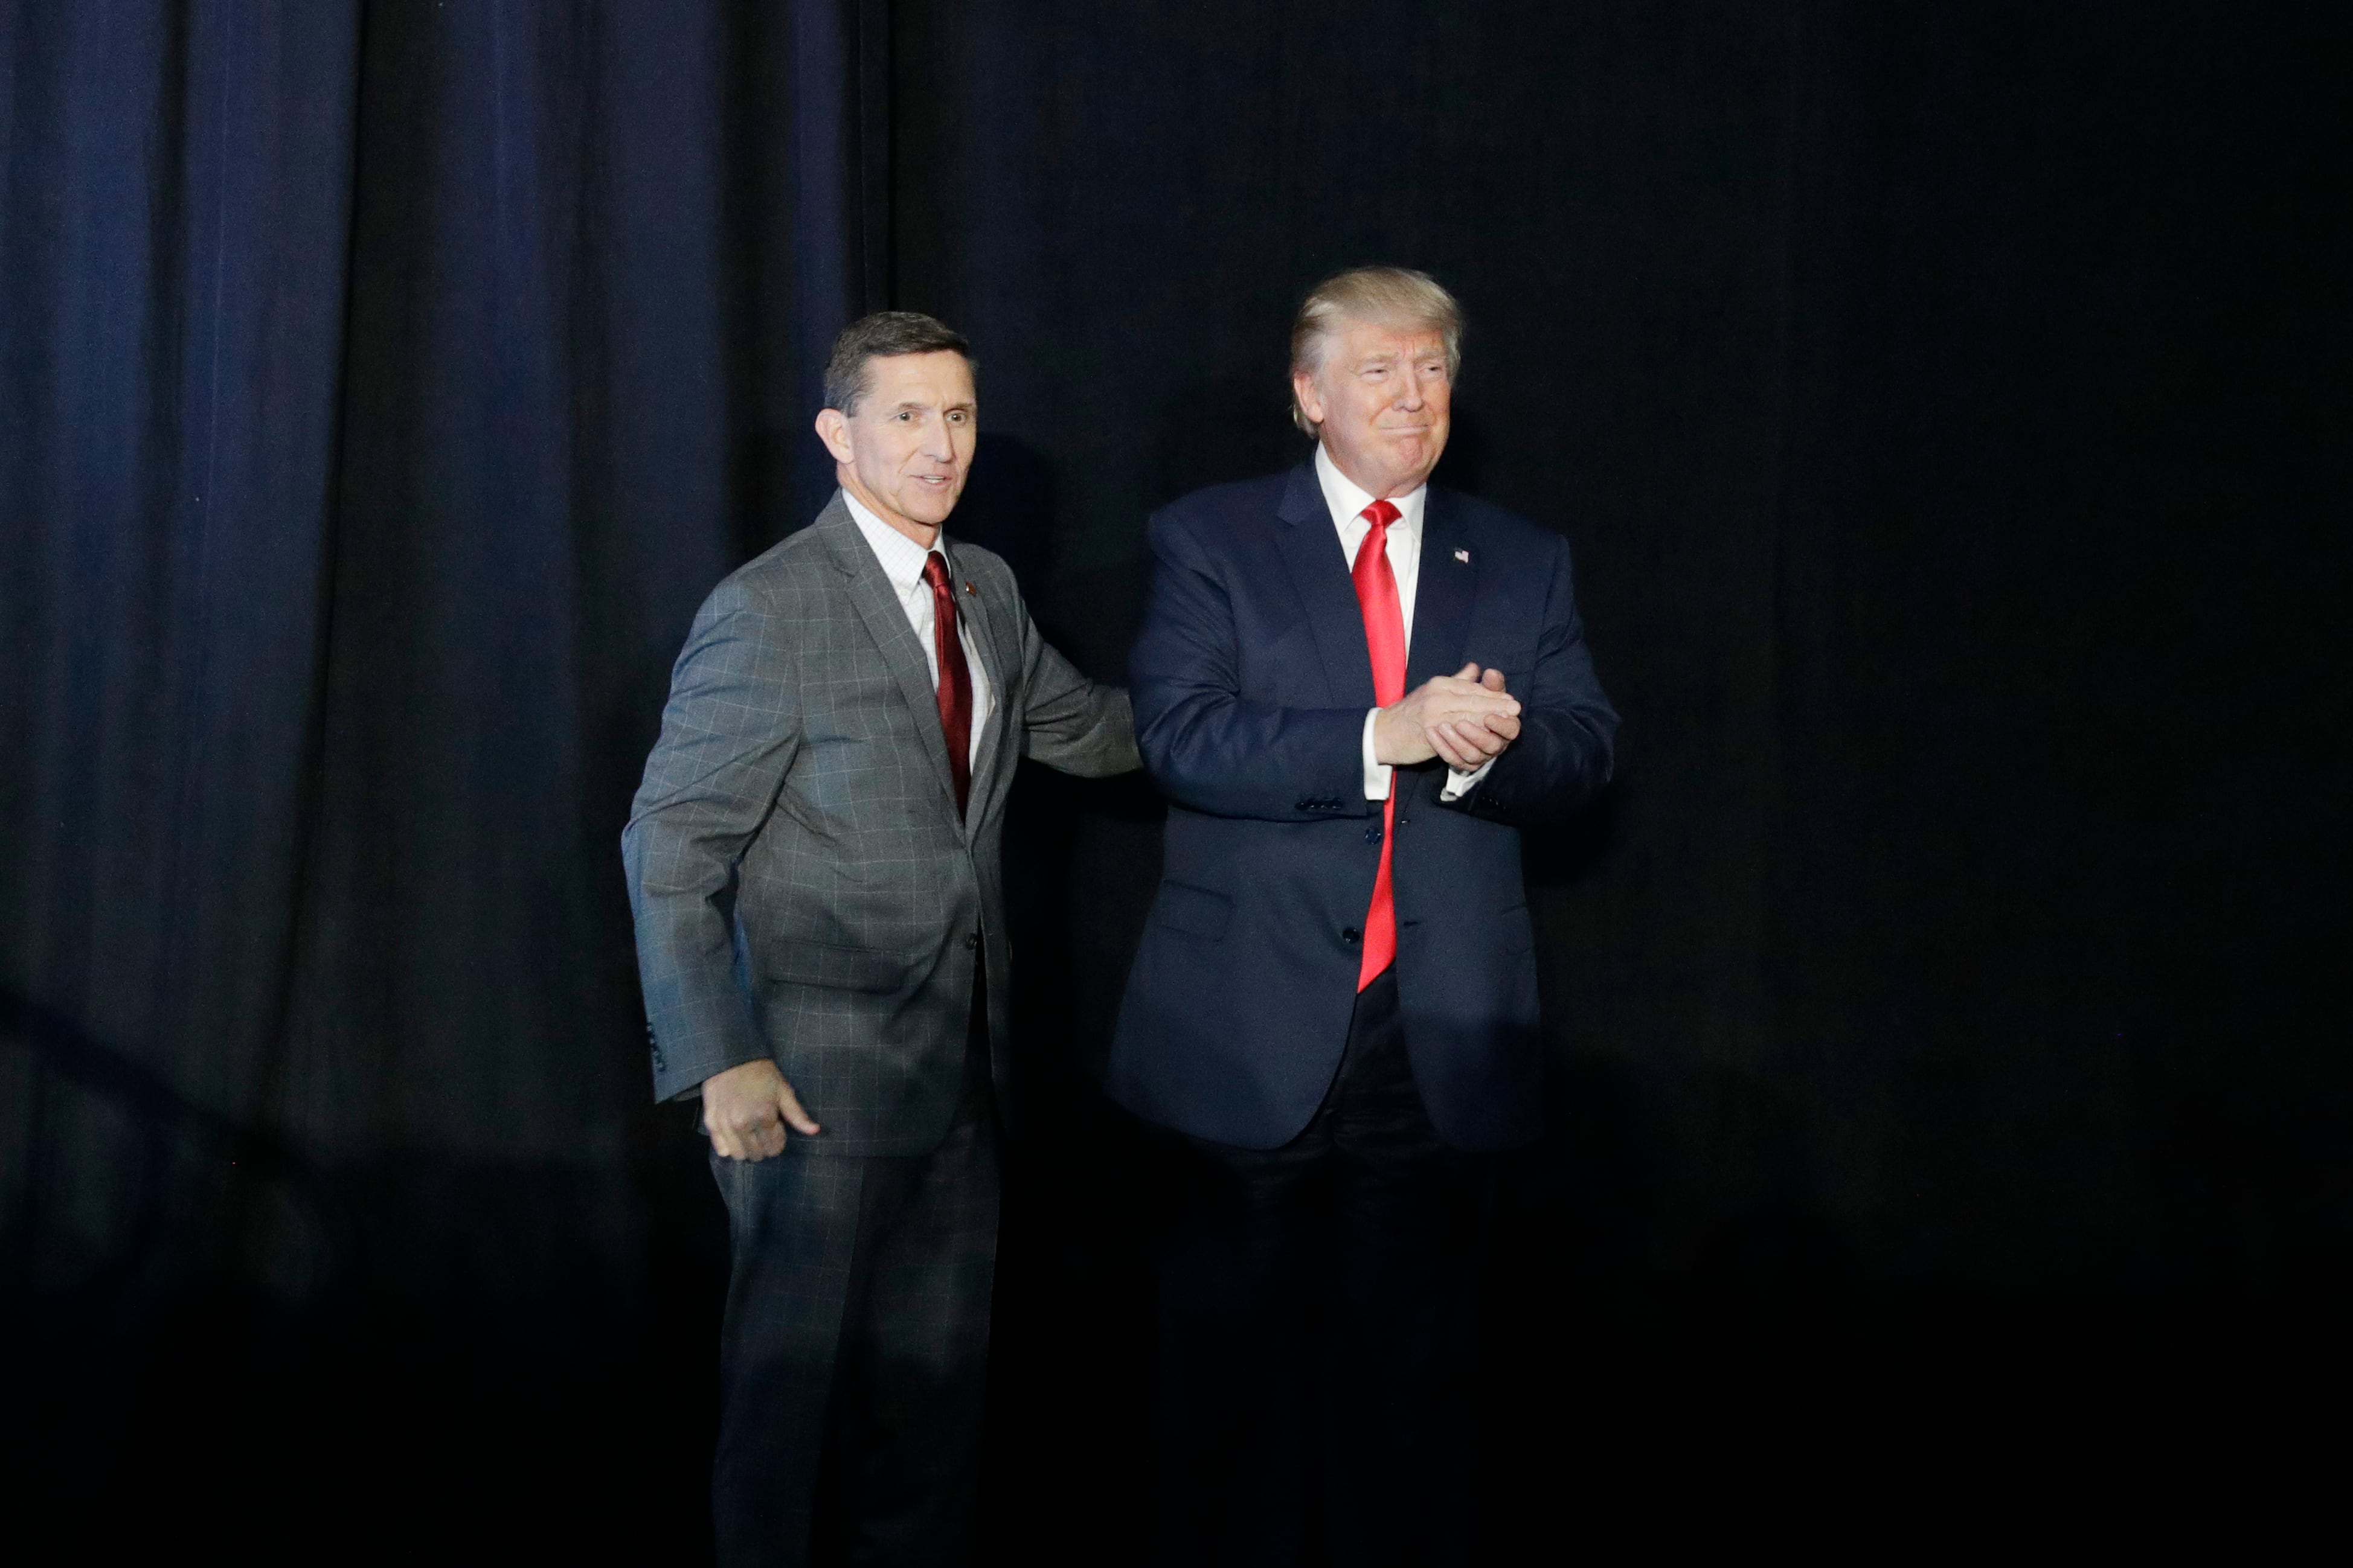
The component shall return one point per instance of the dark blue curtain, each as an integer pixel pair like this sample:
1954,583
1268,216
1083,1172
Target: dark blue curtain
175,220
380,387
1948,406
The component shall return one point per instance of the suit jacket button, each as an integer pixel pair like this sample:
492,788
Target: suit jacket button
1351,934
971,939
1373,834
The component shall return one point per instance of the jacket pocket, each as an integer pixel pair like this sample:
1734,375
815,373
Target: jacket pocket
794,962
1196,911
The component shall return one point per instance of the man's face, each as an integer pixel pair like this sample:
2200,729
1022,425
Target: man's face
1382,401
906,449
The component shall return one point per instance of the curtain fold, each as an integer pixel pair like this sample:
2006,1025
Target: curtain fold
174,200
380,388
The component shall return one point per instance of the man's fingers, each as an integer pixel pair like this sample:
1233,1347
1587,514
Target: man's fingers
1459,686
738,1131
1477,741
1453,691
789,1105
1447,741
1468,672
1467,704
1465,714
1493,680
1468,744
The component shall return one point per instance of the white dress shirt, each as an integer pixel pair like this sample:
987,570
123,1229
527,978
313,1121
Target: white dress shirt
903,564
1347,504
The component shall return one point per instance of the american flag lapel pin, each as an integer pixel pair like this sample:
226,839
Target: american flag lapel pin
1464,556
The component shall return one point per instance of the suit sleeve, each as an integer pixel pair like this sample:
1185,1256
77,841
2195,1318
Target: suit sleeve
1568,729
1070,722
1207,746
730,732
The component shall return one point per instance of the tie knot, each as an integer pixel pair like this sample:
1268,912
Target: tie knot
935,571
1381,513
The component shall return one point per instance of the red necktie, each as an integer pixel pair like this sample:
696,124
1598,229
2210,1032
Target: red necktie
1376,596
954,684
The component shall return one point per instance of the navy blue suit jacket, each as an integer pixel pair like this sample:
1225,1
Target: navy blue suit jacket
1250,680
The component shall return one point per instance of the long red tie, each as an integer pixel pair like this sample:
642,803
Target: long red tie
1376,596
954,684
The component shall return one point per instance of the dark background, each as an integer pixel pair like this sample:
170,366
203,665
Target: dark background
1949,406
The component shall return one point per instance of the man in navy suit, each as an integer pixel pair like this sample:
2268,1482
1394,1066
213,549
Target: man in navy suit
1354,687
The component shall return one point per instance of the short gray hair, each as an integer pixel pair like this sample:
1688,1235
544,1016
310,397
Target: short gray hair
1394,296
885,334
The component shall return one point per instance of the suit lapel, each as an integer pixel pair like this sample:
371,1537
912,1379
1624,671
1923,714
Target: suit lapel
1319,575
886,622
1443,593
979,634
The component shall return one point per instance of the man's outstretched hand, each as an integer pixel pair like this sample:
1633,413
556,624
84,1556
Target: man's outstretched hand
746,1110
1465,719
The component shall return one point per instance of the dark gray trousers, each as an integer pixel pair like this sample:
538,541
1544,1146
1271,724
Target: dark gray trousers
854,1358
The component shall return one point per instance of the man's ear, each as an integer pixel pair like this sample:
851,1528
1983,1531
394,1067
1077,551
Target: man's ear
1302,387
833,429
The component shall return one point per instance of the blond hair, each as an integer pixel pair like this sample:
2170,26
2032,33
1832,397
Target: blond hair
1391,296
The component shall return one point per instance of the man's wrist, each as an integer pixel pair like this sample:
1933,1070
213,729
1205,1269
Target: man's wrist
1377,772
1460,783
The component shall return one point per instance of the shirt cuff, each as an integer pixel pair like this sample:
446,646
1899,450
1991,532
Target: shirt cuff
1376,774
1460,783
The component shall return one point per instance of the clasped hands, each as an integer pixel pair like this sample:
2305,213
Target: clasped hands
1465,719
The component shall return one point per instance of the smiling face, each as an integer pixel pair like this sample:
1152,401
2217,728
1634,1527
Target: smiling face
1381,401
906,447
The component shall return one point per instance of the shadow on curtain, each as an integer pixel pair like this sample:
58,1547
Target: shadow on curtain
380,388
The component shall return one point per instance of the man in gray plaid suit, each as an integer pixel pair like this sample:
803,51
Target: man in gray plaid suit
813,864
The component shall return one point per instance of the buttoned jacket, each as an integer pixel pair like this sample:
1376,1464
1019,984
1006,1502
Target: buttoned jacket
1253,677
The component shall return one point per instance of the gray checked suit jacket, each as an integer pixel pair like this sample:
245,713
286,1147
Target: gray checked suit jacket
802,886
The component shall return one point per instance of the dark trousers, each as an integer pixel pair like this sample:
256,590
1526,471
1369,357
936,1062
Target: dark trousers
1317,1363
854,1358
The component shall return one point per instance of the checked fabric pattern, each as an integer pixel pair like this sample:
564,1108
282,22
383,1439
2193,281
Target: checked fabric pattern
803,883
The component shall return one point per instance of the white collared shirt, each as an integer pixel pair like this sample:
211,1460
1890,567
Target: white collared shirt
902,563
1347,504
